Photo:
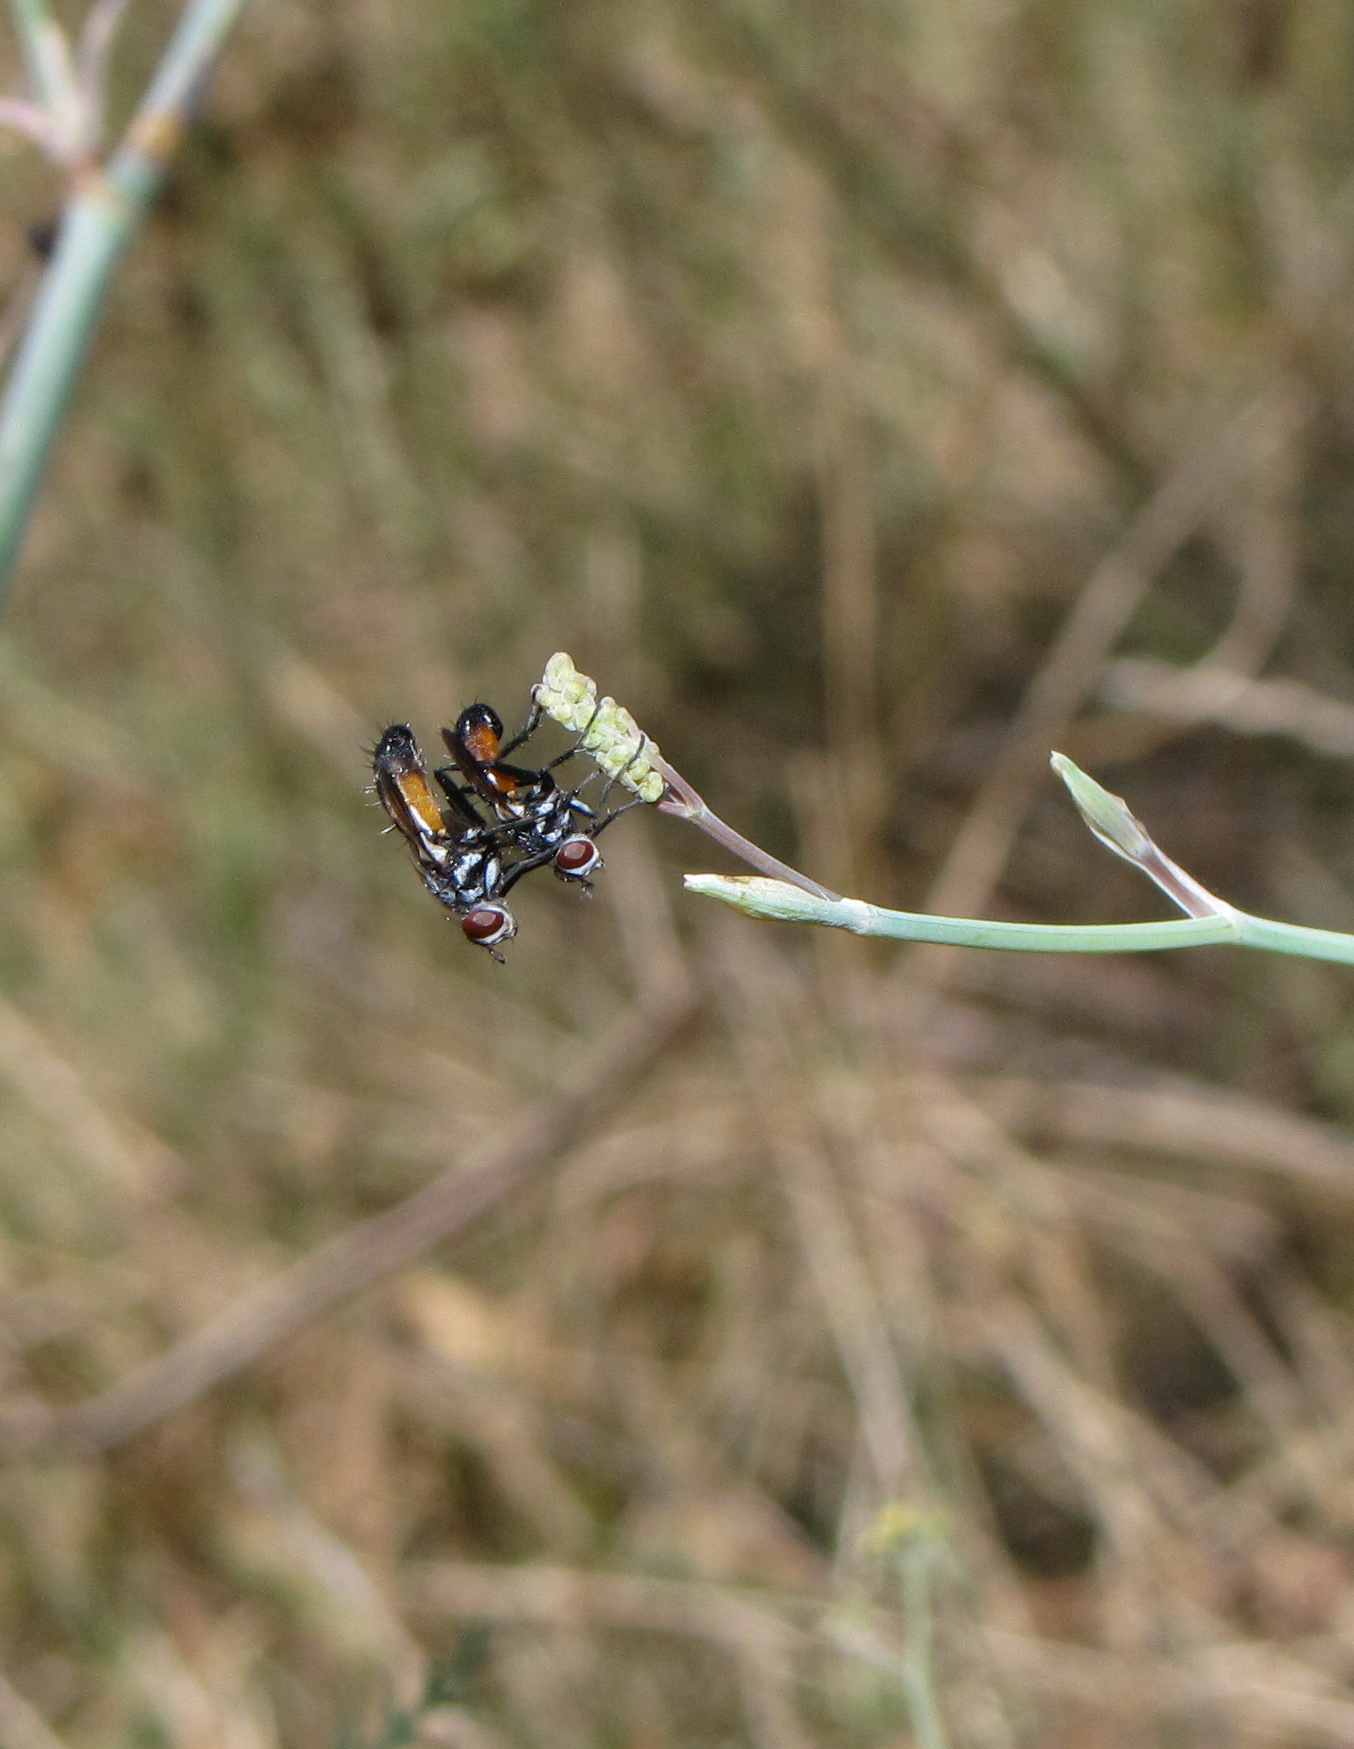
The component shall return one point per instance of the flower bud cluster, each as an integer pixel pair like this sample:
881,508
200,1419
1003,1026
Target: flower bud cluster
610,735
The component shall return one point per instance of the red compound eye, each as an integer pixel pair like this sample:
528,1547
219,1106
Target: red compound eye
577,857
487,925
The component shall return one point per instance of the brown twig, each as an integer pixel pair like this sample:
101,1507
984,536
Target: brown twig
360,1257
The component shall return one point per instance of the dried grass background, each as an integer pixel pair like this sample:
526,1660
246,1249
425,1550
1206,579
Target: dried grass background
871,398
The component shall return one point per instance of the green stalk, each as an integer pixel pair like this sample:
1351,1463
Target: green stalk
92,237
1307,944
97,227
1210,921
776,901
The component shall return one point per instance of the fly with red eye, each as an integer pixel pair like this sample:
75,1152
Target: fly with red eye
459,856
547,823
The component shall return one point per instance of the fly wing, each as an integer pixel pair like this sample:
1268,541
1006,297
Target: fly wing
402,788
459,808
470,768
496,783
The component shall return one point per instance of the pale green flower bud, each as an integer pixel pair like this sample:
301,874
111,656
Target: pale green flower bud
610,734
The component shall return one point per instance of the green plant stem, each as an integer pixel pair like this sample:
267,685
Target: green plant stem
778,902
94,231
1293,938
97,227
1210,921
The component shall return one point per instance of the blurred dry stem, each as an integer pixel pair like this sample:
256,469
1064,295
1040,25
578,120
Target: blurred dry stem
1234,700
363,1256
21,1726
1212,460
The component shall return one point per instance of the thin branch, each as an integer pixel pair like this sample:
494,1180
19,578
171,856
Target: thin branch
684,802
